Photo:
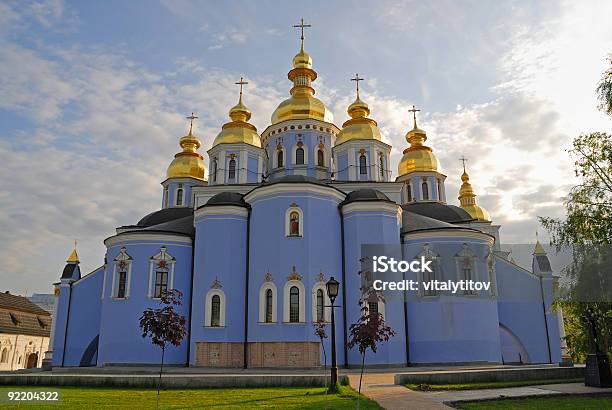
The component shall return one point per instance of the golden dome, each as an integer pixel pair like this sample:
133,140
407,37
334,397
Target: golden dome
238,130
467,200
188,163
359,126
302,104
417,157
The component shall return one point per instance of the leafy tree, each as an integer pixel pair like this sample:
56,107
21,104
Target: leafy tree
604,90
369,331
164,326
321,332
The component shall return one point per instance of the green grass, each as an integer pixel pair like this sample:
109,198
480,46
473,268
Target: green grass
259,398
487,385
542,403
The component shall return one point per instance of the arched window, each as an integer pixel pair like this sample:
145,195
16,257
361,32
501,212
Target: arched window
121,286
179,195
425,190
215,312
232,169
4,356
294,223
214,170
363,166
382,166
215,308
280,157
269,305
320,158
439,190
409,192
294,304
320,304
299,156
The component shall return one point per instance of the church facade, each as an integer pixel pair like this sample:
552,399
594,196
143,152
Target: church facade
251,239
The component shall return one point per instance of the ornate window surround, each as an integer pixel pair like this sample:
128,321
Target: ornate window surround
466,258
262,303
294,208
122,258
294,279
162,257
326,302
429,254
215,290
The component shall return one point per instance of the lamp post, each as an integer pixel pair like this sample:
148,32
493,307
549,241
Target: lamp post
332,292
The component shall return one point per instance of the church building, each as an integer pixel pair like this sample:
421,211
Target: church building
251,234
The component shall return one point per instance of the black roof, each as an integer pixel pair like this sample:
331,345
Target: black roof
181,226
365,195
442,212
165,215
543,263
68,270
227,198
415,222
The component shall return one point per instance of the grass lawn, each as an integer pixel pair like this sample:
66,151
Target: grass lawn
488,385
542,403
260,398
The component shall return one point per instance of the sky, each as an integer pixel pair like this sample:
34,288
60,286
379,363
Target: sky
93,99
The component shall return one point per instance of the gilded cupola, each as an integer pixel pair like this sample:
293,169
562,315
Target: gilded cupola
359,126
302,104
418,156
188,163
467,199
238,130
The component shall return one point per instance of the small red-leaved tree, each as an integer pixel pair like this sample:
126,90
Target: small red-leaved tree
321,333
164,326
368,332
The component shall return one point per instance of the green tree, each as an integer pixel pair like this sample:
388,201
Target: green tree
604,90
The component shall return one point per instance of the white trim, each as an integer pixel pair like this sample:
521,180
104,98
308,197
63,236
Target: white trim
448,233
158,237
208,308
125,257
262,302
300,222
162,255
381,307
275,158
305,188
352,172
244,165
182,188
294,156
220,210
379,206
103,284
260,164
302,300
326,302
466,254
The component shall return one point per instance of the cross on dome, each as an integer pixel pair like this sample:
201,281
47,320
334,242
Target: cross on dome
191,118
414,111
241,83
357,79
301,26
463,160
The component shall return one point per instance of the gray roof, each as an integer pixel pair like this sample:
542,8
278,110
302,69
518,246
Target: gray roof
436,210
165,215
365,195
227,198
412,222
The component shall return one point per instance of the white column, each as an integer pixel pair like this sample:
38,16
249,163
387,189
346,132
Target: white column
352,172
244,163
221,167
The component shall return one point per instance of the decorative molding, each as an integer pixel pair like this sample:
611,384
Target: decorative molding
294,275
268,277
320,277
287,187
141,236
216,284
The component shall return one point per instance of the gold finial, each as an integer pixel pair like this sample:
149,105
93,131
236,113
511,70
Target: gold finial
74,257
191,118
241,83
302,26
538,249
463,160
414,111
357,79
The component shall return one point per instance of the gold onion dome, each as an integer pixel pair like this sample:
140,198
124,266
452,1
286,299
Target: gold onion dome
188,163
359,126
238,130
417,157
467,200
302,104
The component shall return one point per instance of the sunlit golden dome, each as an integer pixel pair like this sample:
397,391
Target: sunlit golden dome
302,104
188,163
359,126
238,130
417,157
467,200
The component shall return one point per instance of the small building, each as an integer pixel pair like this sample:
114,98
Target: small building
24,332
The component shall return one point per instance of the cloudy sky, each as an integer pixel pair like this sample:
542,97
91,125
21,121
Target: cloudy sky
93,97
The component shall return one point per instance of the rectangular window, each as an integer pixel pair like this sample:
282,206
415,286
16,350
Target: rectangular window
122,284
161,284
373,307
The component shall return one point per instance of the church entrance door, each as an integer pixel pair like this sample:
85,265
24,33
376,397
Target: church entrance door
32,360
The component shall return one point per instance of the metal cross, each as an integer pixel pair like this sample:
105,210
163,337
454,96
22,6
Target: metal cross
414,111
302,26
241,83
357,79
191,118
464,160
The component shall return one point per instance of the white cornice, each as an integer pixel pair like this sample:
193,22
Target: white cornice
235,147
296,122
220,210
427,235
298,188
141,236
356,143
371,206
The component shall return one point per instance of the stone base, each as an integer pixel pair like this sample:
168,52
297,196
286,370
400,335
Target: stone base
259,354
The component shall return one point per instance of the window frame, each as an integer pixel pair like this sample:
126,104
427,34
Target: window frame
301,300
231,169
288,213
208,308
262,303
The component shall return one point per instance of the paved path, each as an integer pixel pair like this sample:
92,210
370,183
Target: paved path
380,387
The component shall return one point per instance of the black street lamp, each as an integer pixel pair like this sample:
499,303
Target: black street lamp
332,286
